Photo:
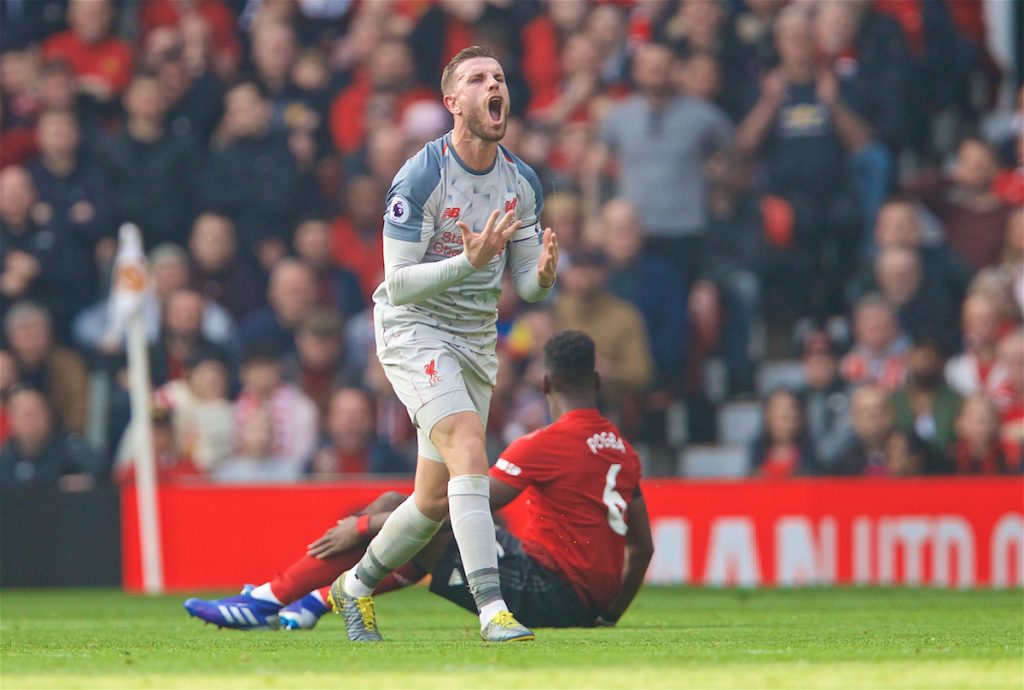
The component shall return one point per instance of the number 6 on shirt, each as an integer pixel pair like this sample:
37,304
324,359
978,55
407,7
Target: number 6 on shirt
615,502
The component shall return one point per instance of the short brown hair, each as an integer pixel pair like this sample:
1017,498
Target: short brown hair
448,75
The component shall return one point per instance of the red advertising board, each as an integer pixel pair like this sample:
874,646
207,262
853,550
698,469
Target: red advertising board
950,532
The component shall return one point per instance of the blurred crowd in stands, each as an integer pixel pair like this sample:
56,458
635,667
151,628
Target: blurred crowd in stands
794,228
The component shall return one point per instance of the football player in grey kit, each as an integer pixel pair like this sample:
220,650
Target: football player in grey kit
458,212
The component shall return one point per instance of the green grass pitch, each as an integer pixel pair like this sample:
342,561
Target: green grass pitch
672,637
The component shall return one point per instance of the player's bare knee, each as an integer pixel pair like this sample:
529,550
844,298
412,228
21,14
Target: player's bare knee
433,507
473,462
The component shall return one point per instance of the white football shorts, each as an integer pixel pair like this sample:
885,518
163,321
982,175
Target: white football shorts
435,379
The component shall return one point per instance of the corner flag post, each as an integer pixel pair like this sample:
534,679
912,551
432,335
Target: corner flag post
131,282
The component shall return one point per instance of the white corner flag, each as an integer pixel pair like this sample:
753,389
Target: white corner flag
131,284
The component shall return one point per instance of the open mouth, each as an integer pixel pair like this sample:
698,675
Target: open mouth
495,108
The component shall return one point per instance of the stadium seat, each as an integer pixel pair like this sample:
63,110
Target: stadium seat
739,422
779,373
706,462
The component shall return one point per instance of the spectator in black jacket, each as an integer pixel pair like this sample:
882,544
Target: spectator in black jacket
898,225
871,415
290,296
217,272
150,167
34,264
868,53
826,401
37,454
251,175
819,154
920,311
181,337
649,282
74,195
337,287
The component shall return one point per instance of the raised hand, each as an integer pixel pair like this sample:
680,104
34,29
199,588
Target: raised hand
481,247
548,262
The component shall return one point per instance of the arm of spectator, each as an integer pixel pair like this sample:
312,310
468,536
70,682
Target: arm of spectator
74,387
854,132
753,131
720,132
639,551
579,89
594,164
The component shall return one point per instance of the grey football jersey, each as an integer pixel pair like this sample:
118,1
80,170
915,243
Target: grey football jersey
431,193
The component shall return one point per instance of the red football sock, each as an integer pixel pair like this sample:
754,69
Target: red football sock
309,573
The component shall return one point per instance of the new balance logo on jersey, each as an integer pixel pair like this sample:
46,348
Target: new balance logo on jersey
510,205
452,212
605,439
430,369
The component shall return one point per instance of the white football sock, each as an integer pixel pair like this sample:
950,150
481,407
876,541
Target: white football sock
469,508
488,610
403,534
264,593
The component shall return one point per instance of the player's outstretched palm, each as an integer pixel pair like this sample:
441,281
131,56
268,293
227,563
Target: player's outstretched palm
481,247
548,262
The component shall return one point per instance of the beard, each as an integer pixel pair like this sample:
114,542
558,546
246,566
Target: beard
480,125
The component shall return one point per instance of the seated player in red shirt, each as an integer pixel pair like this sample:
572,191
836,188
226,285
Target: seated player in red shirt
579,559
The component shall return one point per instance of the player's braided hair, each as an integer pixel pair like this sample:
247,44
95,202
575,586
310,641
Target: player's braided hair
569,359
448,75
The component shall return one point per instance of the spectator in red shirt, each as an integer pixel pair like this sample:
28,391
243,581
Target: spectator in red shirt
356,238
973,217
977,449
546,35
880,347
974,370
171,461
1011,398
906,455
377,96
216,14
783,449
8,379
579,86
101,61
352,445
319,366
